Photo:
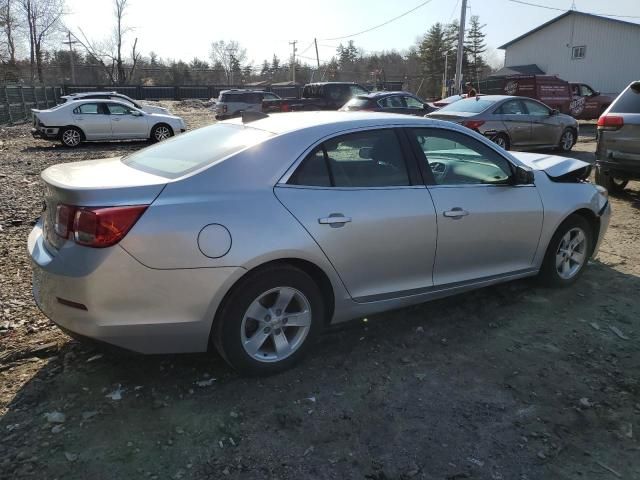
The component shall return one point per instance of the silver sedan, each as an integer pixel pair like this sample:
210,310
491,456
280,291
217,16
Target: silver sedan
252,237
78,121
513,122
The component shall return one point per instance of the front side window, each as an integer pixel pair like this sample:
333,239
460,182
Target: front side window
457,159
391,102
116,109
87,109
413,102
585,91
365,159
579,52
537,109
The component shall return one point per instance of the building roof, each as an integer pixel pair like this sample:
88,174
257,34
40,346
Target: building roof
531,69
560,17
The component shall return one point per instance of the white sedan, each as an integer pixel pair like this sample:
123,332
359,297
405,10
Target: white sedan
90,120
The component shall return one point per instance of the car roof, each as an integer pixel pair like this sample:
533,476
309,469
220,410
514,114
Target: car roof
98,100
279,123
82,94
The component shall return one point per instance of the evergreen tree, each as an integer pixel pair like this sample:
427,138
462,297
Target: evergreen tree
275,64
475,46
266,70
431,53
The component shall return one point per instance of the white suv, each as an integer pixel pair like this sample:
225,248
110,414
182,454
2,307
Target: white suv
115,96
232,102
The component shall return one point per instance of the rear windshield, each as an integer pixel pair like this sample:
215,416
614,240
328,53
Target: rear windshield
191,151
628,101
470,105
357,102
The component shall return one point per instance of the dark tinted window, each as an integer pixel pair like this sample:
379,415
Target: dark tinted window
313,171
457,159
365,159
628,101
394,101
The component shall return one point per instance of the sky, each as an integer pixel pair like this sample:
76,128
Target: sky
185,29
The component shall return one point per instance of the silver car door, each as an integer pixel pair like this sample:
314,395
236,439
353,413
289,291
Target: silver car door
93,121
486,225
545,128
357,197
516,121
127,122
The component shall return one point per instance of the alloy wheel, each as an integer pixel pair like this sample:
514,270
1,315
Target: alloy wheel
501,142
71,137
571,254
567,140
162,133
276,324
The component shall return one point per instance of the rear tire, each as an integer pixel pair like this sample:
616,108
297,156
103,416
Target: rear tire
71,137
612,184
502,141
254,335
567,140
568,253
160,132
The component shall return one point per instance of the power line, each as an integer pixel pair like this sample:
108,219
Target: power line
564,10
381,25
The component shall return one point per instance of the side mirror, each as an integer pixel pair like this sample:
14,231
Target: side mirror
554,111
365,153
595,93
523,176
136,113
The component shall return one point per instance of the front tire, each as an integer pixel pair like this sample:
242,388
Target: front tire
567,140
71,137
612,184
269,321
161,132
568,252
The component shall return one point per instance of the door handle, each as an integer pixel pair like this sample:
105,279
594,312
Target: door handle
335,220
455,213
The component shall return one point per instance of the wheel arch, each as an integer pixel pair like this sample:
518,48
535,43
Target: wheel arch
316,273
76,127
165,124
592,219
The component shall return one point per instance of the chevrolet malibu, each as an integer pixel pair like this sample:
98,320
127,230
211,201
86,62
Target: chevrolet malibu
252,235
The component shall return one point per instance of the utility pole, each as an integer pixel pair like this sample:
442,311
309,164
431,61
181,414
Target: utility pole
446,75
73,67
463,14
293,61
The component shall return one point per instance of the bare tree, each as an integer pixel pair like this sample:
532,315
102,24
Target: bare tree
43,20
228,54
9,26
109,53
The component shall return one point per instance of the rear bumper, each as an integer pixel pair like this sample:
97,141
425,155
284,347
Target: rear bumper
46,133
620,168
108,296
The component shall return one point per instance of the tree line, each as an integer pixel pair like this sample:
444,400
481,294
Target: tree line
37,47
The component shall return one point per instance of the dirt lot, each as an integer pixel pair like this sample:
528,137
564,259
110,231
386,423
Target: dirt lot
510,382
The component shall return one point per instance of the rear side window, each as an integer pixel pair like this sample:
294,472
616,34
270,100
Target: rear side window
191,151
366,159
391,102
87,108
628,101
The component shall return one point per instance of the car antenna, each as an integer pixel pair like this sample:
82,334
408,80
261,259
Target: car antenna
252,116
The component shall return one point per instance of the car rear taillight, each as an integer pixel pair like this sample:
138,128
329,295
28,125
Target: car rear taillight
96,227
285,107
610,122
473,124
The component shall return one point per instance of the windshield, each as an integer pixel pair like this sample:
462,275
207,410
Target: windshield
357,102
191,151
469,105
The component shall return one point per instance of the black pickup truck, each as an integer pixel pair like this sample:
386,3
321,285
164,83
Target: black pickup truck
316,96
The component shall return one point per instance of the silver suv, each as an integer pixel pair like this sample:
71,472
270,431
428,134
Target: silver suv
232,102
618,151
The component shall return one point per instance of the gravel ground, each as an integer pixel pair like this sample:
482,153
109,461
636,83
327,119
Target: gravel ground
509,382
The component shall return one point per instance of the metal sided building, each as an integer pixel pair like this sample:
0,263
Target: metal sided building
581,47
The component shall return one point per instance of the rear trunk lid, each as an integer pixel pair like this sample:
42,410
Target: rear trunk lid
94,183
452,117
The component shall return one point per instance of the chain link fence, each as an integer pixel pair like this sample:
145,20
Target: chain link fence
17,101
